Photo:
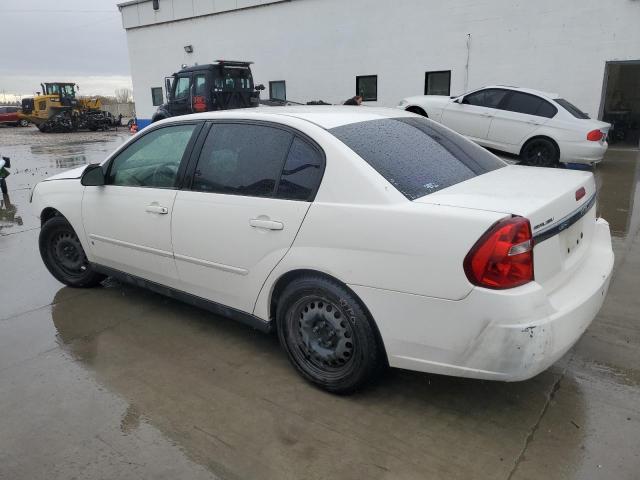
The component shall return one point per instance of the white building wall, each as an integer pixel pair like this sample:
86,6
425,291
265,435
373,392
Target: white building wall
320,46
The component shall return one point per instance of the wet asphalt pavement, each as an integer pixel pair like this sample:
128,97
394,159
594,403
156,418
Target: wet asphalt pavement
119,383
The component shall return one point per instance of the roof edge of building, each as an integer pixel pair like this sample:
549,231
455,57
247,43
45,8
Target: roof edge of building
131,3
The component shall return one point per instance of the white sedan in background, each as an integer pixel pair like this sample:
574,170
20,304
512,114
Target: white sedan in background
542,128
364,237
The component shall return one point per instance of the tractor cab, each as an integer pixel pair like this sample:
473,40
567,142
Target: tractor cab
223,85
65,91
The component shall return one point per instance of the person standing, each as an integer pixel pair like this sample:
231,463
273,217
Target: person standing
356,101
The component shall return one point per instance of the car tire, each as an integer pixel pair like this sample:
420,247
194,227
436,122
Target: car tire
24,122
63,255
327,334
540,152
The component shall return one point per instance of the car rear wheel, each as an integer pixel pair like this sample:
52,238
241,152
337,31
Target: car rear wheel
24,122
327,334
540,152
63,255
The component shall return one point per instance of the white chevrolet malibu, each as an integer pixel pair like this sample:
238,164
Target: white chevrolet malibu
542,128
364,237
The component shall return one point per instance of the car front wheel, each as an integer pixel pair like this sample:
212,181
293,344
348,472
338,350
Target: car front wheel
327,335
63,255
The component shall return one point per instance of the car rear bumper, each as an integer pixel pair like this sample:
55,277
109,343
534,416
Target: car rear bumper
583,152
508,335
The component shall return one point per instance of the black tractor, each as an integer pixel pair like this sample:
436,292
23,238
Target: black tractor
203,88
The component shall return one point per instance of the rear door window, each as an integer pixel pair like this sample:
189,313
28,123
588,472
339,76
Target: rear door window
546,110
302,172
417,156
242,159
522,103
529,105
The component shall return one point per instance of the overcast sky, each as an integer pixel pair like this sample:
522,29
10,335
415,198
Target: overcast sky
79,41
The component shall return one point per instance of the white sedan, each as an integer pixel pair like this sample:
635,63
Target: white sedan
364,237
542,128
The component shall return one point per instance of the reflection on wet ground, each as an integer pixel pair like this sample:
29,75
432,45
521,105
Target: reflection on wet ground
117,382
8,211
36,156
617,179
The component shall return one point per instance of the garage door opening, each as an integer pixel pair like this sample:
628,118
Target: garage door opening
621,102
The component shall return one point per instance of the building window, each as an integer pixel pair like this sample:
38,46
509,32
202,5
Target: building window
156,96
278,90
437,83
367,87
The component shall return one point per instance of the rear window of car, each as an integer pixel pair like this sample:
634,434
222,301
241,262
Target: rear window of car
529,104
417,156
571,108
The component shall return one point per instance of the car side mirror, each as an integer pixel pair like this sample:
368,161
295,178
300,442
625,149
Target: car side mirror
93,176
458,100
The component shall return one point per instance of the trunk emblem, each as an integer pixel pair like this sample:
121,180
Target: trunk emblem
545,223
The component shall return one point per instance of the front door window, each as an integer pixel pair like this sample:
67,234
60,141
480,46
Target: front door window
152,161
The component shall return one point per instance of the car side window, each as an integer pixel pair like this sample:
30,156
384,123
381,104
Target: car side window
302,172
182,87
489,98
153,160
242,159
546,110
199,85
529,105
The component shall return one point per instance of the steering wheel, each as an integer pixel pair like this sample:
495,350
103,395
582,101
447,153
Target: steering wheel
167,170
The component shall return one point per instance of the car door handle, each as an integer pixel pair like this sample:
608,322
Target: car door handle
157,209
488,115
266,224
533,122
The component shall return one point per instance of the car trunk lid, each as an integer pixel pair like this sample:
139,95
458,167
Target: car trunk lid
558,203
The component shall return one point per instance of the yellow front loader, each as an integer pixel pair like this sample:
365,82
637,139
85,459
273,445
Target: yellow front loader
56,109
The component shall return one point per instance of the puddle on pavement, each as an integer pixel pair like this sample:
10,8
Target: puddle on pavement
617,179
224,392
36,156
8,213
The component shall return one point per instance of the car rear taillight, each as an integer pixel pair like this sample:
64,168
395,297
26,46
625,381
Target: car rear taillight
503,257
595,136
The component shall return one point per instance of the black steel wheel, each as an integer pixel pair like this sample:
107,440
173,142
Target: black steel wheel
63,255
540,152
327,334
